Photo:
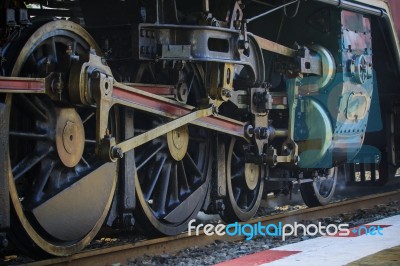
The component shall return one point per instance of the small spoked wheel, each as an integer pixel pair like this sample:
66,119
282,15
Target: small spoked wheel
244,185
321,190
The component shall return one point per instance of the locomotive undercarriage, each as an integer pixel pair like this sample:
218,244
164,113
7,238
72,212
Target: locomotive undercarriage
185,110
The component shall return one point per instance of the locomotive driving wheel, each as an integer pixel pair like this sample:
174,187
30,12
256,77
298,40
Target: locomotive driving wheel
244,185
60,191
172,171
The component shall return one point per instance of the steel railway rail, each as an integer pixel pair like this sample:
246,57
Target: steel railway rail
123,253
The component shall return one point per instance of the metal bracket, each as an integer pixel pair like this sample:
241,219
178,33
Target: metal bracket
220,82
289,146
293,92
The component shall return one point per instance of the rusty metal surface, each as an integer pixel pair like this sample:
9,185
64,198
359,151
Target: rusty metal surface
379,8
122,254
395,10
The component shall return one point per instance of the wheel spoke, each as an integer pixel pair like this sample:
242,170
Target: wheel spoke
53,49
32,109
242,202
183,179
88,118
28,162
235,158
160,204
237,173
189,162
153,178
173,184
191,83
85,162
40,184
236,194
90,141
147,156
32,62
73,46
29,135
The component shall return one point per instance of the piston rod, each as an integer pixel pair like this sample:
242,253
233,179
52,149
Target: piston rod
134,142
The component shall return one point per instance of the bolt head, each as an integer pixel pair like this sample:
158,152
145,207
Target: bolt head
117,153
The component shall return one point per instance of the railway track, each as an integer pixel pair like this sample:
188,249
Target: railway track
123,253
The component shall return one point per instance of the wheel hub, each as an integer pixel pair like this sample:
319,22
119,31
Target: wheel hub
70,137
178,141
252,173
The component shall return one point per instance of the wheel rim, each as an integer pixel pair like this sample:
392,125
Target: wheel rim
324,185
321,190
51,154
244,185
172,171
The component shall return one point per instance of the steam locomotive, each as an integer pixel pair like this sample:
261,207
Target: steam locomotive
141,113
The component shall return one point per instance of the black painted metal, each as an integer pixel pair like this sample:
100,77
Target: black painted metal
4,197
221,168
127,200
82,201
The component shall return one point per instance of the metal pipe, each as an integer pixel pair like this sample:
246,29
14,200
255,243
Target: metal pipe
272,10
354,7
280,133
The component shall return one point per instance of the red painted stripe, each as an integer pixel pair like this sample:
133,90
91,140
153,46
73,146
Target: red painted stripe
156,89
229,126
258,258
7,83
360,230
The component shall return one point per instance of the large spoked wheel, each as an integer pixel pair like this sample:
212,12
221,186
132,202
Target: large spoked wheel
320,191
60,191
244,185
172,171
